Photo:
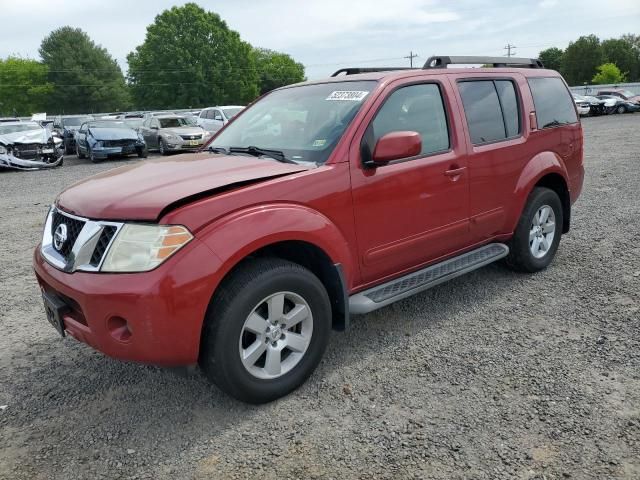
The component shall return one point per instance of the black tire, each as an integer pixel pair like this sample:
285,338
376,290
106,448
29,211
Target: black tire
520,257
67,149
621,109
93,157
162,147
79,153
142,152
230,307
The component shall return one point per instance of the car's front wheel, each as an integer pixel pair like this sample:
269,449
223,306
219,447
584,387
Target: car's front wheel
78,152
621,109
162,147
537,235
266,330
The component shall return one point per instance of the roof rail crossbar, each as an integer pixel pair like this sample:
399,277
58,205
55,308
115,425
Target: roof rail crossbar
356,70
438,61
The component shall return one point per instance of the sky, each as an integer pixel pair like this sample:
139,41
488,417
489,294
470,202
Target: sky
325,35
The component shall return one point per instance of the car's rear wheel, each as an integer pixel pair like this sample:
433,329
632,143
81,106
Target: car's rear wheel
266,330
537,235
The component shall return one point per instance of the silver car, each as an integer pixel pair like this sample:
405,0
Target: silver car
172,133
213,119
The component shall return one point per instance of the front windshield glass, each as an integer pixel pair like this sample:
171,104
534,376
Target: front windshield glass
23,127
74,121
628,93
134,122
304,123
109,124
174,122
231,112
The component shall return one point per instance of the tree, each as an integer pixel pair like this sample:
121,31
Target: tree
622,54
608,73
86,77
191,58
552,58
276,69
633,40
23,86
581,59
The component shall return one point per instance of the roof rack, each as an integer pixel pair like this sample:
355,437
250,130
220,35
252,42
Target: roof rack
497,62
356,70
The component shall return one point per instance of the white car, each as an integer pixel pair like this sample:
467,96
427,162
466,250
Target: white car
213,119
582,104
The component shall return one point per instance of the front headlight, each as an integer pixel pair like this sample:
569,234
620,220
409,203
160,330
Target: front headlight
140,248
2,150
168,136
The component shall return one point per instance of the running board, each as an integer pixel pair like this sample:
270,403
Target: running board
403,287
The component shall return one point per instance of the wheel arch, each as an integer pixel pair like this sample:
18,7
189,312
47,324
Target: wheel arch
544,170
290,232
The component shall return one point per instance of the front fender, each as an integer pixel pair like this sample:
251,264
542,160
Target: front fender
234,237
542,164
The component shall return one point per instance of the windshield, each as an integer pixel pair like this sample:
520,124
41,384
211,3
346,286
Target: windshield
134,122
174,122
23,127
304,123
109,124
74,121
231,112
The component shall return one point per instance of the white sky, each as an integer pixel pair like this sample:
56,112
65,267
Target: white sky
325,35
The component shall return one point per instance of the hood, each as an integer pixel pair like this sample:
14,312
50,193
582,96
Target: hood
113,133
39,135
141,191
183,130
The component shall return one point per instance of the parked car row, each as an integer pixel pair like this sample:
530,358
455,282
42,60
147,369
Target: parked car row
603,105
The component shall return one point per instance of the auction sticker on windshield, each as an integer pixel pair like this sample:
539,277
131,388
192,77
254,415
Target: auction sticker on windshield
348,95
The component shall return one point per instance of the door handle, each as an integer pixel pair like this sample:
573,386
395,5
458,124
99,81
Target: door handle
454,173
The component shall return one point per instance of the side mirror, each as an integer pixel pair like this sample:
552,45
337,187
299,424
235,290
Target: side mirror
396,145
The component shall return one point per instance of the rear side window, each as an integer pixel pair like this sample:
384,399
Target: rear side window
554,105
418,108
491,108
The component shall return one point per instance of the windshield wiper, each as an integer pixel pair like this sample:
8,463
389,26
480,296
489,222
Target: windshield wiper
259,152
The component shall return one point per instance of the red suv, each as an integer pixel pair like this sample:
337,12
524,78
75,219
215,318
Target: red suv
320,200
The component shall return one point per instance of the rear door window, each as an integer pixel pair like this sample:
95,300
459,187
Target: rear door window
554,105
509,103
483,112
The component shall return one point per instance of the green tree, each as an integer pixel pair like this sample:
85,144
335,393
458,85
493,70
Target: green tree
86,77
633,40
191,58
23,86
581,59
276,69
608,73
621,53
552,58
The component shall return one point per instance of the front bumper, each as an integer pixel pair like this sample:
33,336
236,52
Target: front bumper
8,161
152,317
182,145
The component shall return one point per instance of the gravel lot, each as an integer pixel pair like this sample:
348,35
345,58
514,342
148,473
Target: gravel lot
493,375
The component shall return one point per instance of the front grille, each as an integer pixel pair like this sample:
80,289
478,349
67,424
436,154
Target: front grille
103,242
73,230
26,150
191,137
119,143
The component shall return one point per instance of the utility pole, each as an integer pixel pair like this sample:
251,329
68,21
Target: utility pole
508,48
411,56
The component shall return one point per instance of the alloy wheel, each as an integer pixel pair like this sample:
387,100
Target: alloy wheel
275,336
542,231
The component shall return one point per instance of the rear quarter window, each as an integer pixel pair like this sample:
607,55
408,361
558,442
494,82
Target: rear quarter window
554,105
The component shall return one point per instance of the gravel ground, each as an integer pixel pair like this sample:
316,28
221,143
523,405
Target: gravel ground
493,375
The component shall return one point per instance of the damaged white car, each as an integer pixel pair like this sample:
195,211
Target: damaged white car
29,146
